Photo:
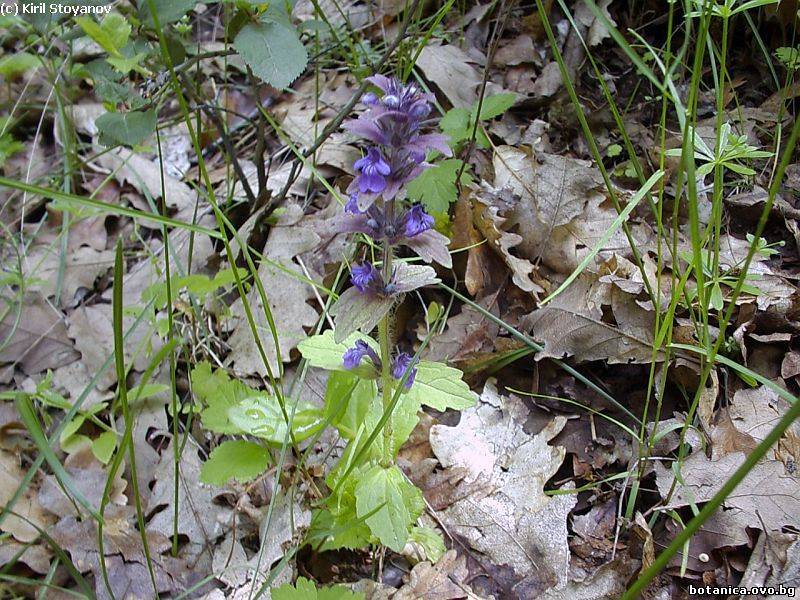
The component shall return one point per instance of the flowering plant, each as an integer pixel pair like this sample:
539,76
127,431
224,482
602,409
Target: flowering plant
374,390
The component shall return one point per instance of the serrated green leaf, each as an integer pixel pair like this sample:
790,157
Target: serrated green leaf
397,502
456,125
167,11
217,393
323,352
111,34
273,52
103,446
261,416
441,387
494,106
303,589
234,459
436,187
127,129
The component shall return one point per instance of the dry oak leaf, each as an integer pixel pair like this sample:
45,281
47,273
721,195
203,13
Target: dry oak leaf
769,496
572,325
35,336
488,204
507,517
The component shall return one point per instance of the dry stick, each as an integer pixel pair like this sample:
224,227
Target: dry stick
342,114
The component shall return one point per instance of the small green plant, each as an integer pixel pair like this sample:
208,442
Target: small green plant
789,57
375,391
733,149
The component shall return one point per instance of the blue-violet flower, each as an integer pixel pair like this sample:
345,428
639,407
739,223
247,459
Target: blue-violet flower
401,364
374,170
353,356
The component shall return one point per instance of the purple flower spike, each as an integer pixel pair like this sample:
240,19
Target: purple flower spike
365,276
374,170
353,356
416,221
402,362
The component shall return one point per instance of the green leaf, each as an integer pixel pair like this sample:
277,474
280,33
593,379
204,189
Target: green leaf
323,352
261,416
441,387
103,446
399,504
124,64
272,51
218,393
347,401
128,129
111,34
431,542
237,459
303,589
494,106
456,125
436,187
18,63
167,11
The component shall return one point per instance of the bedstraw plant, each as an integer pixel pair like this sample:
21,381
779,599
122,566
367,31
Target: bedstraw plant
375,389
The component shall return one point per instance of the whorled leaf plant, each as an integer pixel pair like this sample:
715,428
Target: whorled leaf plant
372,384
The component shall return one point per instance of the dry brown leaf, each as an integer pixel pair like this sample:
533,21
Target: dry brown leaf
82,266
92,329
35,336
572,325
490,205
507,516
442,581
200,518
287,296
769,496
451,70
27,507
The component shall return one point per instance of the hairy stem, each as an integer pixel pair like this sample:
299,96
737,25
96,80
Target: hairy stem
386,361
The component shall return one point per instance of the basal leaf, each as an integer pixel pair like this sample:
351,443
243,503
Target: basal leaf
260,415
234,459
273,52
217,393
441,387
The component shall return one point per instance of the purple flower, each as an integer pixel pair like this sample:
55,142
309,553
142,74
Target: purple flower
416,220
369,99
365,276
353,356
374,170
401,364
352,205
